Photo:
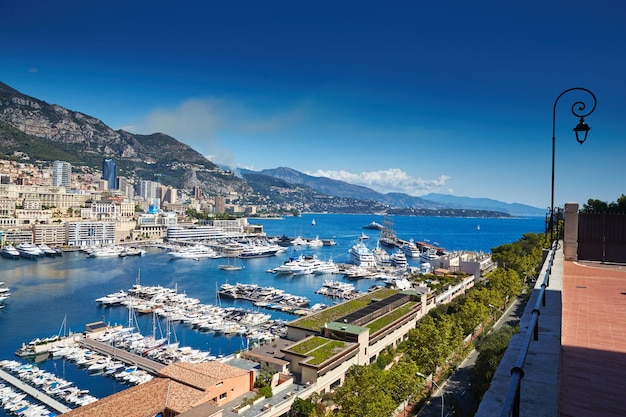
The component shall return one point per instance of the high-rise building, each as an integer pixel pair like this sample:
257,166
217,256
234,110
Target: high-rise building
109,173
61,174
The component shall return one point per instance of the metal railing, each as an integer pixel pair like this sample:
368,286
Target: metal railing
511,406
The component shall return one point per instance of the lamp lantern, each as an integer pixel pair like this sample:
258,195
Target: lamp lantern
582,129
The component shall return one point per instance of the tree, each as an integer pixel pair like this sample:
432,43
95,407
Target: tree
361,396
431,342
402,381
301,408
491,348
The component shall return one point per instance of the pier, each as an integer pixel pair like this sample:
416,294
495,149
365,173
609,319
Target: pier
36,394
123,355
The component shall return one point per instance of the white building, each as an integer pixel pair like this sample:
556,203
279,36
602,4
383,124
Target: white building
82,234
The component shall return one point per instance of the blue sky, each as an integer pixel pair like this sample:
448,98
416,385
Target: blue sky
453,97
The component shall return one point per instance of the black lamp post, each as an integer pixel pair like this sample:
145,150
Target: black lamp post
581,130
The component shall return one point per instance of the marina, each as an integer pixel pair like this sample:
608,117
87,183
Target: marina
51,288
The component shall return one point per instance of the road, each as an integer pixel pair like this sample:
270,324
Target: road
459,401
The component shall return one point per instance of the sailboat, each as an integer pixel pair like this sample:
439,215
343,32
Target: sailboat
313,222
231,266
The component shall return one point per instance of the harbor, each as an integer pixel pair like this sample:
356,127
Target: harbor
51,288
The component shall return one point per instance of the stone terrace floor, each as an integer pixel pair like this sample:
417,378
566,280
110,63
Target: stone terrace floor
593,352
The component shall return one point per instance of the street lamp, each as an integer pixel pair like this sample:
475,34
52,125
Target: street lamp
433,381
581,130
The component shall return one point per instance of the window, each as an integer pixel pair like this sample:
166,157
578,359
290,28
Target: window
222,396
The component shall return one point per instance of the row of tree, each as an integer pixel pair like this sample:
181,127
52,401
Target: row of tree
436,342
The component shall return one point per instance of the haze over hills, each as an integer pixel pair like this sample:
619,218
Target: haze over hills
46,132
430,201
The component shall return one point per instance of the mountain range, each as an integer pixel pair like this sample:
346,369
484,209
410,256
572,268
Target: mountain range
33,129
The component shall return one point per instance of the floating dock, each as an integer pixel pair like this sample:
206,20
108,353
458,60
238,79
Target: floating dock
36,394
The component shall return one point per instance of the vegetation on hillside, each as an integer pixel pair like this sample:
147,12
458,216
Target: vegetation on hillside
437,343
598,206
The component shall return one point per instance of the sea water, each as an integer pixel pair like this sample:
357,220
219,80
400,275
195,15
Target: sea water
48,291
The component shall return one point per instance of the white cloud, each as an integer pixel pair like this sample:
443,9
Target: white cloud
389,180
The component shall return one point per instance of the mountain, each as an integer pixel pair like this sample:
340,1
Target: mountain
515,209
36,130
397,200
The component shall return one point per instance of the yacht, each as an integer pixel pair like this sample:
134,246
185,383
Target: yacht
374,226
398,259
381,257
361,255
28,250
315,243
298,241
9,251
259,250
47,250
105,252
410,249
194,252
429,255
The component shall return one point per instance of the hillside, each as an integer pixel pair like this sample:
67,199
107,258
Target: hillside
47,132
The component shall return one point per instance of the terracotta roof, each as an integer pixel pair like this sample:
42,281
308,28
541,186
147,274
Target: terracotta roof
147,399
202,375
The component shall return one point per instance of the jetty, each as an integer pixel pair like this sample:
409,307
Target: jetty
36,394
122,355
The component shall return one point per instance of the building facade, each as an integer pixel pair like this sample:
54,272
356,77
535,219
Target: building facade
61,174
109,173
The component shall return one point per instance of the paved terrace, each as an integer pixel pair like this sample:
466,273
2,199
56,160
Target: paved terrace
577,368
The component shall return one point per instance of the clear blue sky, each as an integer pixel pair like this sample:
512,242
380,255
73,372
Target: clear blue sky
418,96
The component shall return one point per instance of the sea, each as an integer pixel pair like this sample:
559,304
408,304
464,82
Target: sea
50,292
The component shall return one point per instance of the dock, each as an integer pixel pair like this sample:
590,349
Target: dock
128,358
36,394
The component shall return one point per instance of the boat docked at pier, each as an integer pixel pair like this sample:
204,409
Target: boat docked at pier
9,251
398,259
338,289
194,252
361,255
29,250
410,249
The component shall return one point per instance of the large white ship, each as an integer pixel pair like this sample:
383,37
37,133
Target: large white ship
361,255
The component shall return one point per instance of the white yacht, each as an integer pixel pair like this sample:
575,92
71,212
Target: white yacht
28,250
381,257
194,252
315,243
398,259
361,255
105,252
410,249
298,241
9,251
429,255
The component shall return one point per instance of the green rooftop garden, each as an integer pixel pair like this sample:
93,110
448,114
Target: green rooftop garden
316,321
319,348
308,345
390,317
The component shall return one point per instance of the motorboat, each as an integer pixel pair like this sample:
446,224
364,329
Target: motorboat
47,250
315,243
105,252
374,226
9,251
194,252
28,250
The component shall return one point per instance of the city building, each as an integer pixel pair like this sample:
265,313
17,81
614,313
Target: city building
61,174
82,234
109,173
